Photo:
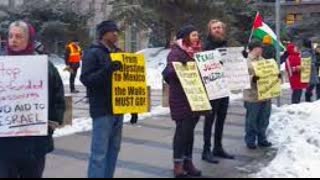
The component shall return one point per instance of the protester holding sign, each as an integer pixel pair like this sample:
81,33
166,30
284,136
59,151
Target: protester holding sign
97,77
258,111
187,45
24,157
308,52
216,39
293,66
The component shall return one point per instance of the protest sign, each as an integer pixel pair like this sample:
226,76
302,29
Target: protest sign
306,65
23,96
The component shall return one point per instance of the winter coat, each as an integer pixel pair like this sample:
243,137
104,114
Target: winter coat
96,75
210,44
292,63
307,53
26,147
179,104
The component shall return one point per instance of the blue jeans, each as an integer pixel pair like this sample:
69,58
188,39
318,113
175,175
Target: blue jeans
257,121
105,147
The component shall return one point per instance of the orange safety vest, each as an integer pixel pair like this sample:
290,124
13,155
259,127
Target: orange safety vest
75,53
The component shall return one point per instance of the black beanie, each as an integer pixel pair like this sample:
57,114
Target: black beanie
185,31
106,26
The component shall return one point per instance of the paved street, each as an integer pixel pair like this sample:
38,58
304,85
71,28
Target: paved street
147,148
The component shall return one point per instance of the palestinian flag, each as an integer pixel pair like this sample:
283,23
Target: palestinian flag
261,29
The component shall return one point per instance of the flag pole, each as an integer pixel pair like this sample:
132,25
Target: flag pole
251,35
278,7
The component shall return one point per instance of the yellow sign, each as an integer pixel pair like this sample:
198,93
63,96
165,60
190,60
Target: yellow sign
306,70
191,82
269,83
129,87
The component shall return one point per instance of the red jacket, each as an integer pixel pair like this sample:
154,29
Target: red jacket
293,66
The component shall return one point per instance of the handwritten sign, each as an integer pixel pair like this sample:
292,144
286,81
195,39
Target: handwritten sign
269,83
23,96
235,68
306,65
213,75
129,89
193,87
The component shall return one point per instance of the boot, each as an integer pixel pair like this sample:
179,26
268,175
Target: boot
208,157
191,169
179,171
220,152
265,144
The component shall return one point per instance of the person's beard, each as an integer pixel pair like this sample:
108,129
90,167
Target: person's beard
218,37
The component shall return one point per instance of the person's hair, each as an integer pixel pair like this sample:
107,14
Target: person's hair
21,24
214,21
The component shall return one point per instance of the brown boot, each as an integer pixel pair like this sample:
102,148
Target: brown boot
179,172
191,169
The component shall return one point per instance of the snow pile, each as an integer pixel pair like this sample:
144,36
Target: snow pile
295,132
85,124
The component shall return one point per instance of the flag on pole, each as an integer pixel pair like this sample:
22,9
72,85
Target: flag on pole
261,30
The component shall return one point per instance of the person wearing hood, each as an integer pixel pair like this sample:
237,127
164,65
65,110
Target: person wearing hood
24,157
187,44
308,52
216,39
293,67
96,75
269,52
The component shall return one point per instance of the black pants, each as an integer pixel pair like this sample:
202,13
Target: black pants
184,139
22,168
74,67
219,113
309,92
296,96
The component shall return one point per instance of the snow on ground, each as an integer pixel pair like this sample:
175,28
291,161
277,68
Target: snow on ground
85,124
295,132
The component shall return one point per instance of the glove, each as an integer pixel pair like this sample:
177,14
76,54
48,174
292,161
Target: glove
134,119
255,79
221,63
116,66
280,76
245,53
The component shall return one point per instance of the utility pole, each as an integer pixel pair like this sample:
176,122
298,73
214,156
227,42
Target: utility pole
278,26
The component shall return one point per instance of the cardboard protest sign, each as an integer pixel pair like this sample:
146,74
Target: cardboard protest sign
23,96
212,73
235,68
269,83
191,82
129,86
306,65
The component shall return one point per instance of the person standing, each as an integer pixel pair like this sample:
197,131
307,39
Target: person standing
96,75
24,157
258,112
293,66
216,39
183,50
73,55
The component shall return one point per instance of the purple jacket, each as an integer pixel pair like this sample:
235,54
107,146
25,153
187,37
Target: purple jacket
179,105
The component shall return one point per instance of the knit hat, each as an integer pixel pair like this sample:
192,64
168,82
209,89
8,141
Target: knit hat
255,44
106,26
185,31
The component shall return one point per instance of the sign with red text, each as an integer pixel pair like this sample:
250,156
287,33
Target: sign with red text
23,96
213,75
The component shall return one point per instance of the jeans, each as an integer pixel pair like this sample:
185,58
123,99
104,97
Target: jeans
219,114
32,167
184,139
105,147
309,92
296,96
257,121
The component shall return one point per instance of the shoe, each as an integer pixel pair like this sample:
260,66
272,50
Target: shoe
252,146
179,171
191,169
208,157
265,144
219,152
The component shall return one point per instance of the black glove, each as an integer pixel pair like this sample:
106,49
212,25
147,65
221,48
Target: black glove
221,63
255,79
280,76
134,119
245,53
116,66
